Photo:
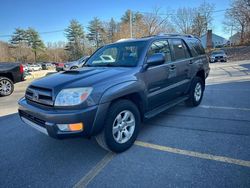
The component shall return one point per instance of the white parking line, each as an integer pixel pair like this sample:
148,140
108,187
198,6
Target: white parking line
224,107
94,171
194,154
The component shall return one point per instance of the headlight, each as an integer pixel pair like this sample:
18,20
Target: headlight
72,96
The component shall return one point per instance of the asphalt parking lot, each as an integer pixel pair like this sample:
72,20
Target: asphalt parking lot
206,146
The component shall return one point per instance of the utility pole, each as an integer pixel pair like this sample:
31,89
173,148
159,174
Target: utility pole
231,35
131,25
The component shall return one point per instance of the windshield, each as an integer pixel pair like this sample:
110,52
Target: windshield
126,54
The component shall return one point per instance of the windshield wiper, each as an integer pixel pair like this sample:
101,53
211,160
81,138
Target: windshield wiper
105,65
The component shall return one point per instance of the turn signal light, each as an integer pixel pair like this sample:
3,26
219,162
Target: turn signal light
71,127
75,127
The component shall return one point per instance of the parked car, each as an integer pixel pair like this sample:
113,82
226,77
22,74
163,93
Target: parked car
59,67
218,56
25,67
75,64
10,73
109,100
35,67
47,66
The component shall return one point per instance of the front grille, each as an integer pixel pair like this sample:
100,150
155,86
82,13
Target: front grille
39,95
219,57
32,118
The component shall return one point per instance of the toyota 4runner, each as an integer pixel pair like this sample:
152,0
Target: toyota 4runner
108,99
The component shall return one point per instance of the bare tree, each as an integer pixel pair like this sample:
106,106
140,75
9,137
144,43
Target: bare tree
156,23
183,20
205,10
203,17
199,26
4,52
238,16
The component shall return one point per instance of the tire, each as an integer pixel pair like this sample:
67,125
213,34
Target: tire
110,140
74,68
6,87
196,92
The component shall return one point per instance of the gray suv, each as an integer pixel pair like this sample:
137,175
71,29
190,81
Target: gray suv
108,99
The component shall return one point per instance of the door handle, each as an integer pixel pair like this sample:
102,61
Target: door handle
172,67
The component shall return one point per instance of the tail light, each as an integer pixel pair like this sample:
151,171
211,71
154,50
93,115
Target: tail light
21,69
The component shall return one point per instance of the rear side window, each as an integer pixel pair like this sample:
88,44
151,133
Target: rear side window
180,49
161,46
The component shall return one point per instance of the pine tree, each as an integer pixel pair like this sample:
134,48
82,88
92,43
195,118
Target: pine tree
19,37
19,41
75,36
34,41
136,19
112,30
96,32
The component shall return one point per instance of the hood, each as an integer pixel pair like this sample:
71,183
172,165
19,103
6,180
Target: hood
85,77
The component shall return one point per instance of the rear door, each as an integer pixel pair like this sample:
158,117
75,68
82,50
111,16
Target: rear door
180,67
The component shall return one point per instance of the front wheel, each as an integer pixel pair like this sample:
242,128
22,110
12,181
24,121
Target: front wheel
121,127
196,92
6,86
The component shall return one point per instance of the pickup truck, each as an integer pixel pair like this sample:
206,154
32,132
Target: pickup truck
109,99
10,73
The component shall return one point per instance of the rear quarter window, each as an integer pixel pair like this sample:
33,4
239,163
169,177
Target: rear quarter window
196,47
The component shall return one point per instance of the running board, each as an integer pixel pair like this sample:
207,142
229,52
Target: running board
163,108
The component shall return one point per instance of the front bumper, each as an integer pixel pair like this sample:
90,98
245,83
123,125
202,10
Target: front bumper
45,120
218,59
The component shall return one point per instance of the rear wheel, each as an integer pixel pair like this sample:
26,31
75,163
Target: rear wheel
121,127
196,92
6,86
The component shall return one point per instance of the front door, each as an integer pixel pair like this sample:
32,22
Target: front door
159,78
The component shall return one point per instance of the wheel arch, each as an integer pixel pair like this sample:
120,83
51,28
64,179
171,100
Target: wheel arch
201,74
7,75
129,91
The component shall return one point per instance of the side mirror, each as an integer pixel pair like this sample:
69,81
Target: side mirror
155,59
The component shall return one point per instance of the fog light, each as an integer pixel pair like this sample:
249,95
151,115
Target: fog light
70,127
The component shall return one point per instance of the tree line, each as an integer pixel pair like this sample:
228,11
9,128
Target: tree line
27,46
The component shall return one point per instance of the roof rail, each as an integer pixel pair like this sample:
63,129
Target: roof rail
124,39
149,36
177,35
173,35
